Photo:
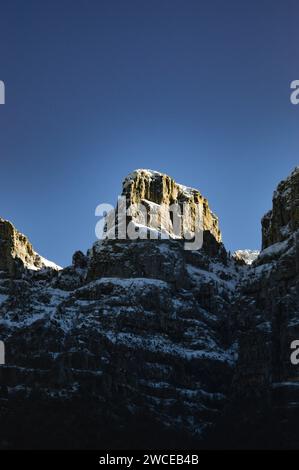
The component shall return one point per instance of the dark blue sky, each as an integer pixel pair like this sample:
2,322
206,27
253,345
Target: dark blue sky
197,89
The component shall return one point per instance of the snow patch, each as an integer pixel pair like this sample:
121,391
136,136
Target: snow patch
248,256
274,250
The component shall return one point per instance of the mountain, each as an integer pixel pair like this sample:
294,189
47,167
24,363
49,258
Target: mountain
143,343
16,252
152,189
246,256
267,318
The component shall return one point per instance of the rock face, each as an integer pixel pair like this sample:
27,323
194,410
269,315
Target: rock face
279,223
141,343
152,188
266,383
245,256
17,252
132,360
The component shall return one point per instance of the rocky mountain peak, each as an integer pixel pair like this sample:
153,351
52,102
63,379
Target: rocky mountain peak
16,251
283,219
150,342
246,256
152,188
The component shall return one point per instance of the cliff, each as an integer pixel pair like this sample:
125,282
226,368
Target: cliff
141,343
153,188
17,252
283,219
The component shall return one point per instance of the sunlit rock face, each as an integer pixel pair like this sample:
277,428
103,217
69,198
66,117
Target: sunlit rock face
245,256
158,192
16,251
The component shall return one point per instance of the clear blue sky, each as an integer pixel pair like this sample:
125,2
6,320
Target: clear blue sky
197,89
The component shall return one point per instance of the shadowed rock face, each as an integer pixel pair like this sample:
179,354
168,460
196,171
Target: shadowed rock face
265,391
144,344
280,222
149,349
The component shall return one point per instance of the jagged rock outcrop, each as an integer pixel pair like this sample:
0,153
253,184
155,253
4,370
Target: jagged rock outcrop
141,343
245,256
152,188
283,219
139,330
267,321
140,350
16,252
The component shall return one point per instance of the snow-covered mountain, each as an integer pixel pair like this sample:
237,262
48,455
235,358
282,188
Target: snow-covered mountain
247,256
143,343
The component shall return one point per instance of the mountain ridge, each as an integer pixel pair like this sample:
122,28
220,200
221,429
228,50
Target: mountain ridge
141,342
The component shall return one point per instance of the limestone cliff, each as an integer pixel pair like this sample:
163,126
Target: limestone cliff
142,343
283,219
154,188
16,251
265,392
